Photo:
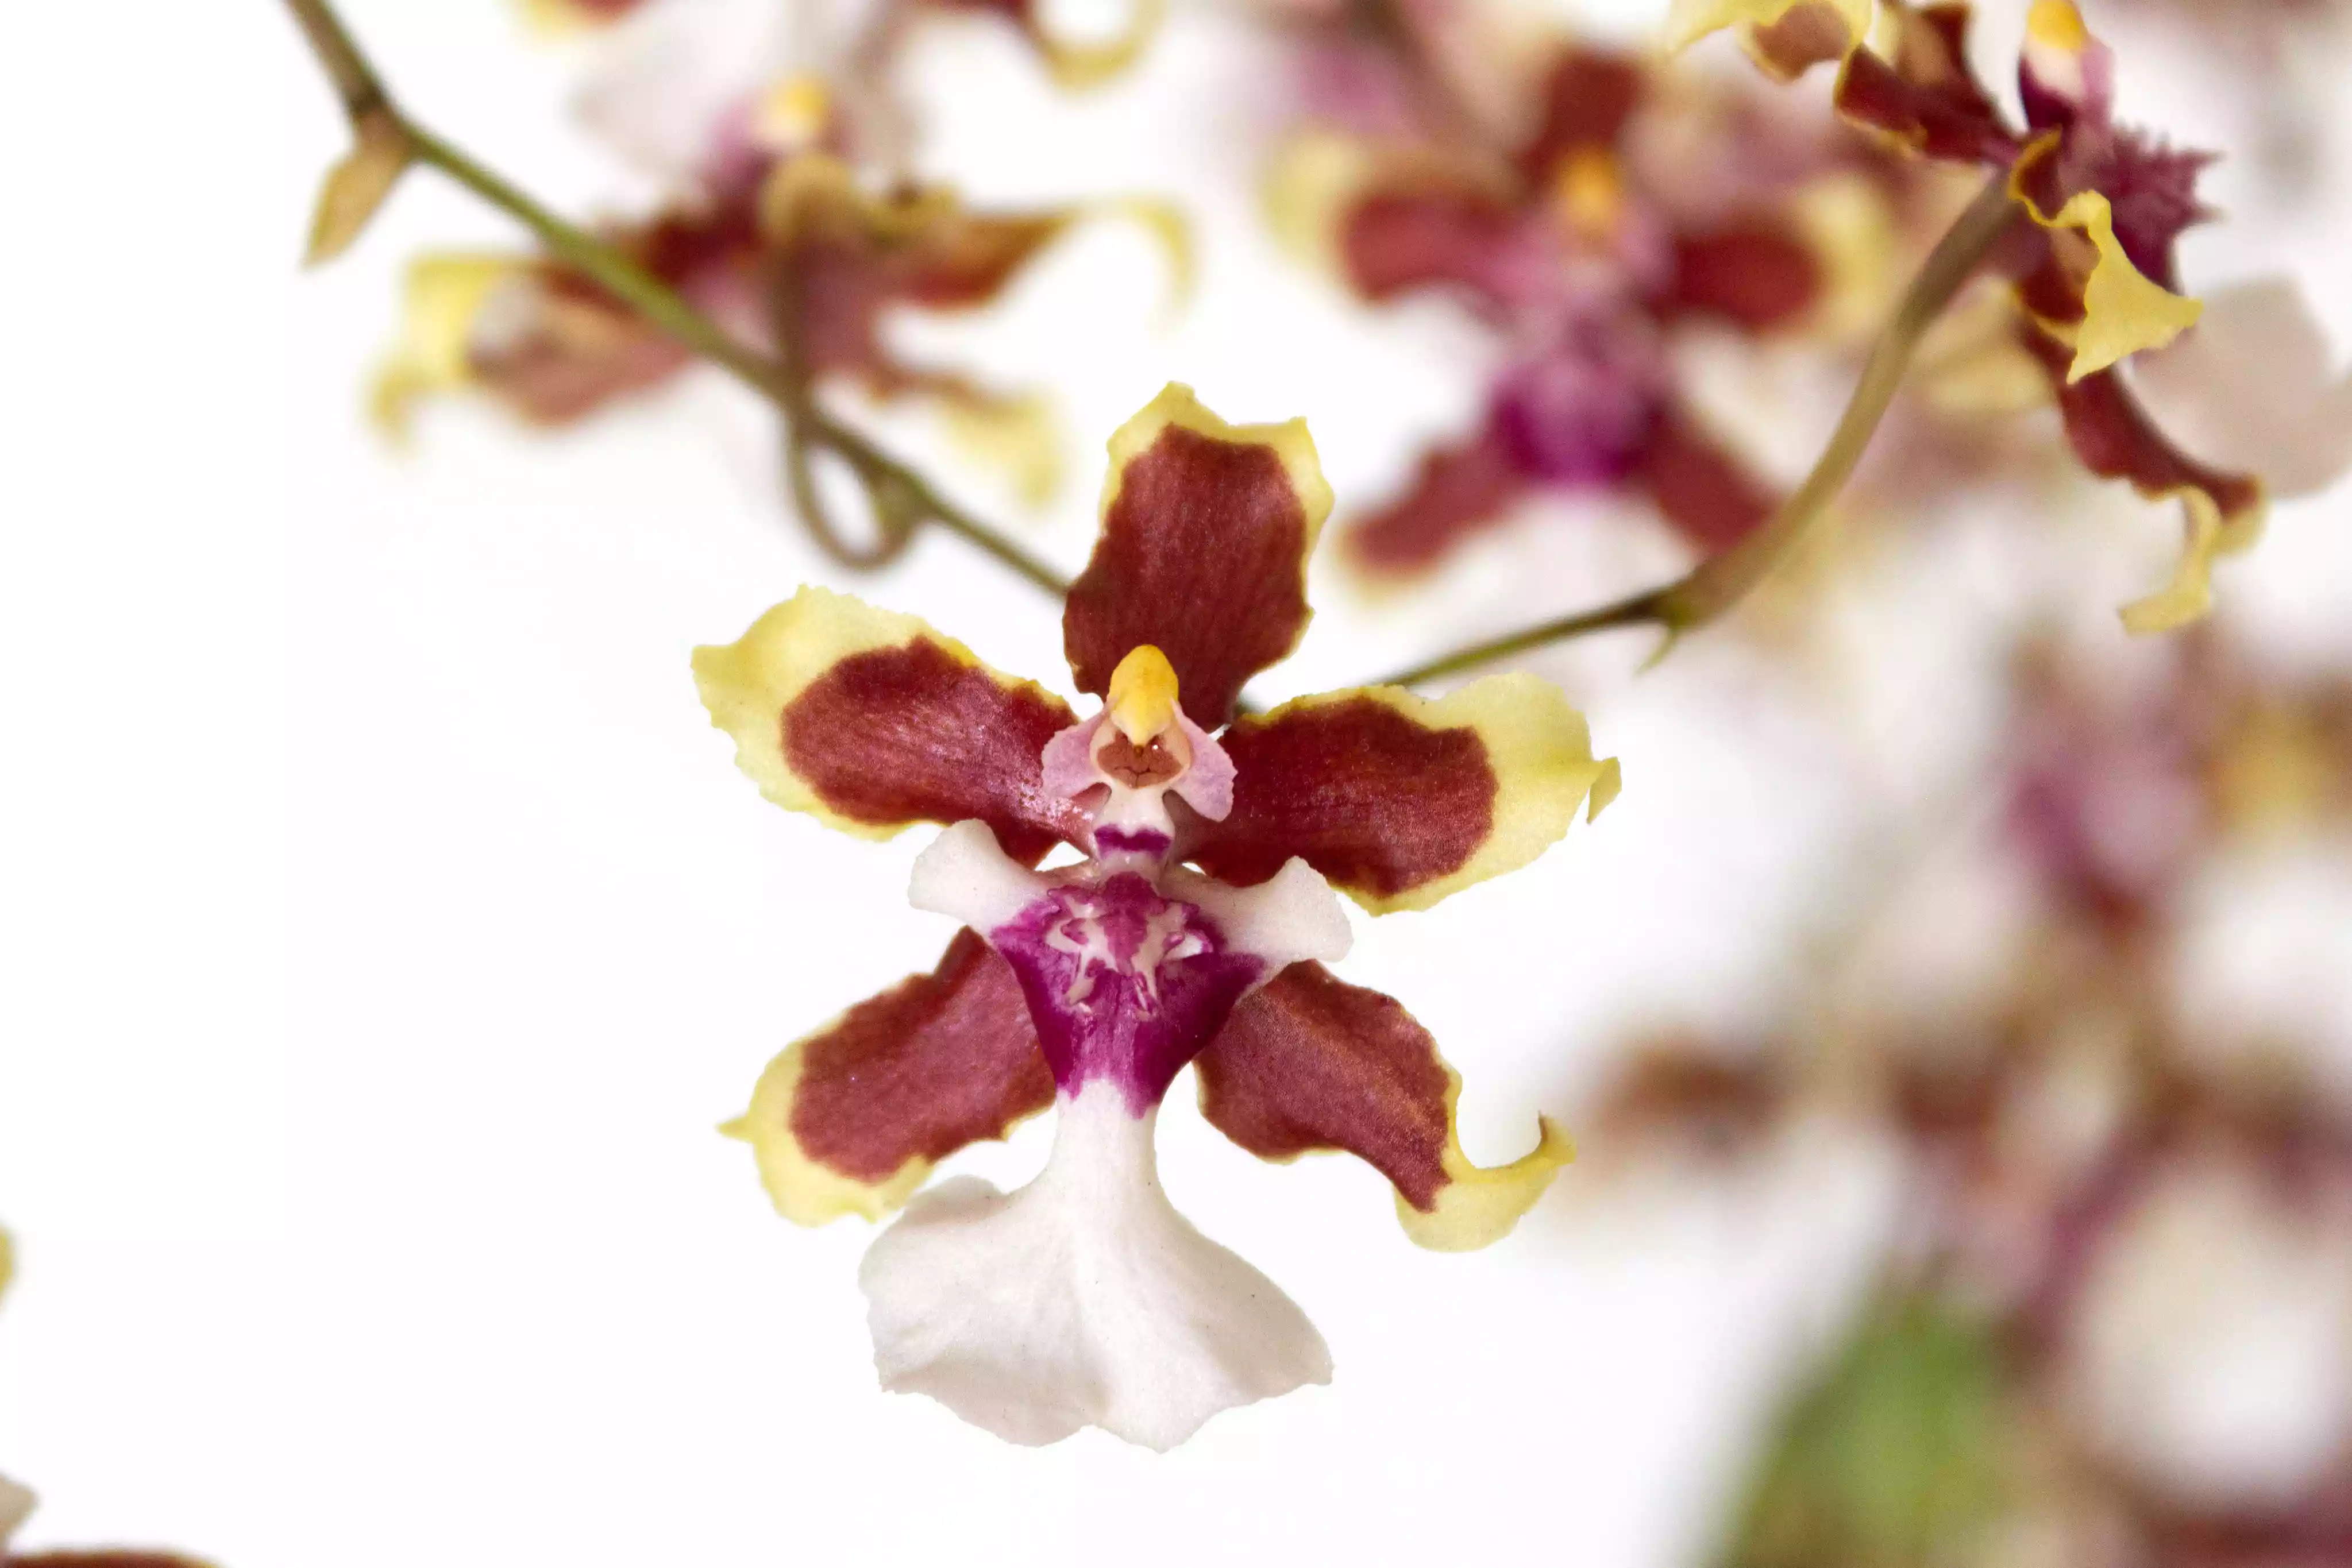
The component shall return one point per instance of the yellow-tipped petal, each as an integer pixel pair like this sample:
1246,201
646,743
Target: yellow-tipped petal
2123,311
1142,697
1691,20
2189,595
1477,1208
804,1191
442,299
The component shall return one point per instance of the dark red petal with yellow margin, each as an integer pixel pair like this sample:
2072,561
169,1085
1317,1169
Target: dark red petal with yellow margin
1457,491
1398,801
1927,97
871,722
1311,1064
2221,512
851,1119
1205,532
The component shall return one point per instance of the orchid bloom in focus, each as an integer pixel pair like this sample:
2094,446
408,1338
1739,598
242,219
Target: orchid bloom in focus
1193,929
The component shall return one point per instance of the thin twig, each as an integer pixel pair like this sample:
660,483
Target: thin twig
901,497
1705,593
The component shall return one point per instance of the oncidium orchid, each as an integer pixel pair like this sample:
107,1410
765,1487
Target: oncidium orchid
1193,928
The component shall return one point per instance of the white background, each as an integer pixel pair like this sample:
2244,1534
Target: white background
386,930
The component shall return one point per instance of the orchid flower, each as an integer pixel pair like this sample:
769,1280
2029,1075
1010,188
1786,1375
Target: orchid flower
2096,277
1622,211
1193,928
766,135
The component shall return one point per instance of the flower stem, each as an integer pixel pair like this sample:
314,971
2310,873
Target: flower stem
1705,593
897,490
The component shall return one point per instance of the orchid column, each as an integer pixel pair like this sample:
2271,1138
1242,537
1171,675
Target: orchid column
1190,931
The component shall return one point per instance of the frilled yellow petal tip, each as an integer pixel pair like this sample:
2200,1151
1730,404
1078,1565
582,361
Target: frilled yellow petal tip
1478,1207
804,1191
2123,311
1691,20
1141,700
1178,405
2189,597
2056,25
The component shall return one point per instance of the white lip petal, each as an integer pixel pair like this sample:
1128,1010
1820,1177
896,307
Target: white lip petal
1082,1300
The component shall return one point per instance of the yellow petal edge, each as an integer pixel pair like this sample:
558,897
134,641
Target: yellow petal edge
1691,20
749,682
1540,750
804,1191
1477,1208
2123,311
1289,442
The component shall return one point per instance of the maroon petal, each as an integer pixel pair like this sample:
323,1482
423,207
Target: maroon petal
1401,802
1312,1064
1458,491
1392,242
871,721
1586,99
1205,532
851,1119
1756,274
1928,97
1706,493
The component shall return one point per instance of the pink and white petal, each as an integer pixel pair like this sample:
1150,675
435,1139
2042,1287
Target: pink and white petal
1399,801
1082,1300
871,721
1311,1064
1291,918
851,1119
1206,528
2252,387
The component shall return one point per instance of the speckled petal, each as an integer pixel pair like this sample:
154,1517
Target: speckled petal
871,722
1401,802
1311,1064
1206,528
851,1119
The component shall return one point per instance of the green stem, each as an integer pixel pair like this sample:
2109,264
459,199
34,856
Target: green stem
897,489
1704,594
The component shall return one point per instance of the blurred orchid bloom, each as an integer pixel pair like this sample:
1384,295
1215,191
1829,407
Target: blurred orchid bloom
1628,211
2096,278
1084,1299
766,134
